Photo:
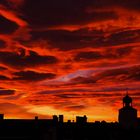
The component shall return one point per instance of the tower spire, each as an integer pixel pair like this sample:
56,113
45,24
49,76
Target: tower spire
127,91
127,101
127,114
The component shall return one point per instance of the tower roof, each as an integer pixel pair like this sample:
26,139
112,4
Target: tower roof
127,99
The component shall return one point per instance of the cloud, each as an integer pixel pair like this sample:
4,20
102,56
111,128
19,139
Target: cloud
65,40
14,111
119,53
14,4
83,80
2,68
120,75
32,76
123,37
16,60
7,26
133,5
75,107
62,13
91,56
4,92
12,13
2,77
83,56
2,44
61,39
68,90
92,45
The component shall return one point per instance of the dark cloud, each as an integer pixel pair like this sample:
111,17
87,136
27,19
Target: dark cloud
56,35
7,26
59,91
2,44
68,40
69,36
128,36
68,96
112,53
64,40
75,107
5,3
100,30
2,77
14,59
62,13
130,74
14,97
122,52
72,12
120,74
6,92
3,68
127,4
83,56
133,5
83,80
32,76
117,53
12,4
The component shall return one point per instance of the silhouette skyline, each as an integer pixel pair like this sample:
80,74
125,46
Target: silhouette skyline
127,128
71,57
127,115
65,66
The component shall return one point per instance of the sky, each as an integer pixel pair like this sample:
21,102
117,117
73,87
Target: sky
71,57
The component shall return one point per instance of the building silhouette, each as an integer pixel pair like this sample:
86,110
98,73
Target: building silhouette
81,119
1,116
61,118
127,114
56,128
55,119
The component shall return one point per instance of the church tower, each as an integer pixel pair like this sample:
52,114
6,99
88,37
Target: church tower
127,115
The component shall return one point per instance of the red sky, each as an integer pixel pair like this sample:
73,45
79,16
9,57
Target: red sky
71,57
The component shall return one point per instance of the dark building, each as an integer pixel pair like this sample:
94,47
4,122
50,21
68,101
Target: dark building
81,120
36,117
55,119
61,118
127,114
1,116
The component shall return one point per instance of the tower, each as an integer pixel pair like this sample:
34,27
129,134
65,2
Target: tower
127,115
127,101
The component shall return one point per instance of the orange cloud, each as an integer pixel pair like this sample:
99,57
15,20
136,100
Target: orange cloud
55,58
10,15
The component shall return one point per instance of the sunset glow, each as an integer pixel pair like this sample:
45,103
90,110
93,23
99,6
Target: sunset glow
71,57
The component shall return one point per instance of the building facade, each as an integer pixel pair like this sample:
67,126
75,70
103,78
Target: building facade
127,114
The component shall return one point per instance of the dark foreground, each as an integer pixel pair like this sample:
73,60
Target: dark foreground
48,130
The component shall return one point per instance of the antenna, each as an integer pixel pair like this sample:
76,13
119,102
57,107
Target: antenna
127,91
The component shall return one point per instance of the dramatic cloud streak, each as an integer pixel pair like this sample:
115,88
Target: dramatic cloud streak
71,57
